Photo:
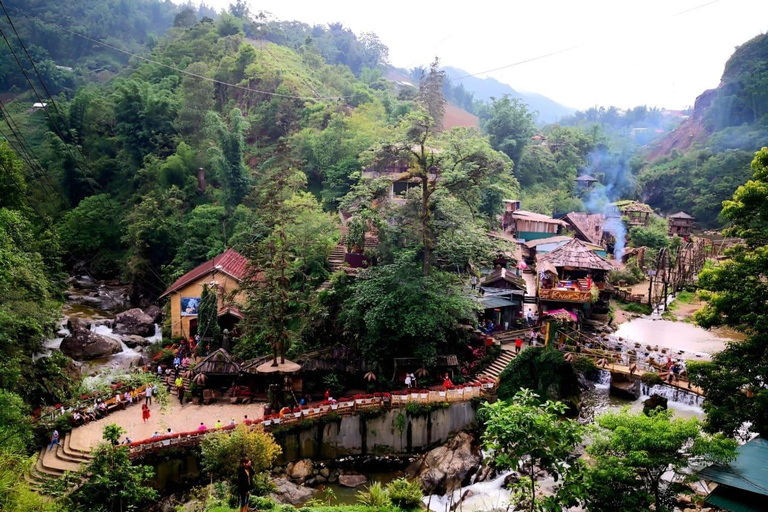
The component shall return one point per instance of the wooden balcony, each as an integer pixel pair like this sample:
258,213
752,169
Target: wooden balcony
562,295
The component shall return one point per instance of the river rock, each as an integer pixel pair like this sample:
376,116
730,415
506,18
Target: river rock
301,470
448,466
83,344
352,480
289,493
325,472
155,313
653,402
134,341
134,321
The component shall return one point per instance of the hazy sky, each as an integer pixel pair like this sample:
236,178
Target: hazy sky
626,52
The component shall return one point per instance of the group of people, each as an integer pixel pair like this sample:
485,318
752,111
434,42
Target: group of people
533,339
100,407
410,381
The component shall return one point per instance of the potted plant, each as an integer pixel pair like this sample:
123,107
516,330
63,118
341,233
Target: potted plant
424,394
276,419
297,412
316,408
358,399
325,406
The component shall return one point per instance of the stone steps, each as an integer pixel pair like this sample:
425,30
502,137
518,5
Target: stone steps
75,452
497,367
49,460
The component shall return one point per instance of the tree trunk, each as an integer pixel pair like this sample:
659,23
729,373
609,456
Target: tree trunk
425,239
533,489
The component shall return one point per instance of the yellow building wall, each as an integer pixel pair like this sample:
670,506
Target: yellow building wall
226,285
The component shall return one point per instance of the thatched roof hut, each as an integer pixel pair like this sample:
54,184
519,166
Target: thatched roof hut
588,227
575,254
218,362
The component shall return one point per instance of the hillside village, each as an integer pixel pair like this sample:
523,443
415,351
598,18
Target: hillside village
250,264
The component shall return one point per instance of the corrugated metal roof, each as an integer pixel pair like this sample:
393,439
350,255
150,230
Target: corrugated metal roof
230,262
736,500
748,472
495,302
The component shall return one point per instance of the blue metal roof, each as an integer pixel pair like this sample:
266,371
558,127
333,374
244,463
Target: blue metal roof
749,472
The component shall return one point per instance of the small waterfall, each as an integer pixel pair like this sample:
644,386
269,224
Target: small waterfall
158,336
489,495
603,379
673,395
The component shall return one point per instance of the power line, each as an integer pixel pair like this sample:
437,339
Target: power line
53,122
564,50
177,70
532,59
25,149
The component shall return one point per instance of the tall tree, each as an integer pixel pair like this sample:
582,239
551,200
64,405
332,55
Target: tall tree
734,381
523,435
459,162
208,319
298,232
510,127
431,94
631,453
228,153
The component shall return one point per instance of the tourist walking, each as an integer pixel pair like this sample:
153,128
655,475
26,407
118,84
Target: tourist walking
408,380
244,479
148,395
54,439
518,345
474,282
144,412
447,384
529,317
202,427
533,337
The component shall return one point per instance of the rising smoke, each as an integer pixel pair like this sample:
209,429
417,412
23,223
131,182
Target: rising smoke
613,171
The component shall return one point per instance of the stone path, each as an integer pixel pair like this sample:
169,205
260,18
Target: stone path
174,416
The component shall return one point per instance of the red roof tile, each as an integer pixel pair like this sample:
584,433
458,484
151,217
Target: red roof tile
230,262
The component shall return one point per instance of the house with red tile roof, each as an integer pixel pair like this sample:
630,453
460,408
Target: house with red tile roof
224,273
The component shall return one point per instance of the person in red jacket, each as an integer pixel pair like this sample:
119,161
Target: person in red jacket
518,345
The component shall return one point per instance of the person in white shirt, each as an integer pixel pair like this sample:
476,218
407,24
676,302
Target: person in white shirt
148,395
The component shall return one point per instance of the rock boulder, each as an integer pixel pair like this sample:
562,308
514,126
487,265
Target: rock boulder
290,493
133,341
82,344
352,480
448,466
155,313
135,322
301,470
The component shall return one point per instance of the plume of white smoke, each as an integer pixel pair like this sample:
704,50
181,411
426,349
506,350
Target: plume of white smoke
613,171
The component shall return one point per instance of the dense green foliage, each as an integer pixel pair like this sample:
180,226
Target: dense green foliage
524,434
222,453
111,482
630,453
540,369
736,290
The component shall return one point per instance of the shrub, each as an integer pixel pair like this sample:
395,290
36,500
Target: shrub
375,496
405,493
630,275
651,379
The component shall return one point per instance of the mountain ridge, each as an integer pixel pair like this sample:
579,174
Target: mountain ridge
549,110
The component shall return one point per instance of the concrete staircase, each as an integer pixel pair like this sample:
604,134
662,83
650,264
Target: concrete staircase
52,464
499,365
336,259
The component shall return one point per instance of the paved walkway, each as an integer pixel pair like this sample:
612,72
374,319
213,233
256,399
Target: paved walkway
178,418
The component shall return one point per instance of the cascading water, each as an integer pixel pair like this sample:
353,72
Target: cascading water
490,495
678,396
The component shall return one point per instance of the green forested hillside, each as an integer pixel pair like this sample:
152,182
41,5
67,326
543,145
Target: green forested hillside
727,126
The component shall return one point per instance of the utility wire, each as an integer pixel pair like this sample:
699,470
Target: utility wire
24,148
184,72
53,122
564,50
